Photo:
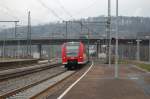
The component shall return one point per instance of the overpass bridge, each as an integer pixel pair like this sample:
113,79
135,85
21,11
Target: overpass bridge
59,41
124,44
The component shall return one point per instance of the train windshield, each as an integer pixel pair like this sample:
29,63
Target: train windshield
72,50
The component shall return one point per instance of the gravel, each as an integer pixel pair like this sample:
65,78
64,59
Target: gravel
20,82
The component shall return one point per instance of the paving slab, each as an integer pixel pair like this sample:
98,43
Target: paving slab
99,83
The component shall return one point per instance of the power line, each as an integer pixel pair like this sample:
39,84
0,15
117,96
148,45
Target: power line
73,17
85,9
66,11
7,10
49,9
54,13
10,15
82,25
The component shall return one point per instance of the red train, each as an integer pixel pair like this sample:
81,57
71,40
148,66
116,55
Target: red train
73,54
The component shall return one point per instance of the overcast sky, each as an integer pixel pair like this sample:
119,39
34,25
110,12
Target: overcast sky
44,11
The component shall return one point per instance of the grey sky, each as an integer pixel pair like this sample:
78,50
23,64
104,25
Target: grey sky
43,13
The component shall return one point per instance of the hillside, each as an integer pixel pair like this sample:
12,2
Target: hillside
128,26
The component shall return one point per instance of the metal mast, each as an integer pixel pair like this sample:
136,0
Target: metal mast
109,32
116,50
29,35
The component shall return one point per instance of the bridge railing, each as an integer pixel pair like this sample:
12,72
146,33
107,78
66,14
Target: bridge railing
70,37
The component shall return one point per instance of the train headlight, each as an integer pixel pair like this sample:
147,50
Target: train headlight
80,57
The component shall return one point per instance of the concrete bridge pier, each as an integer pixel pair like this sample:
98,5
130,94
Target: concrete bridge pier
99,48
39,46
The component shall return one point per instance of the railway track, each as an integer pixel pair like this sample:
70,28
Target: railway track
18,63
2,68
30,85
12,73
35,90
21,65
27,80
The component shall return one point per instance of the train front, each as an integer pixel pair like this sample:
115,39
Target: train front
70,54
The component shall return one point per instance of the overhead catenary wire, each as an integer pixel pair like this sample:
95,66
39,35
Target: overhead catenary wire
65,10
6,11
53,12
81,21
79,12
70,15
50,9
85,9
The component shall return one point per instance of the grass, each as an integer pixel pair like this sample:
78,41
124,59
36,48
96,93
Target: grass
144,66
123,62
140,65
6,58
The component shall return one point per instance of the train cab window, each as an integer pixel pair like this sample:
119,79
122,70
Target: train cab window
72,50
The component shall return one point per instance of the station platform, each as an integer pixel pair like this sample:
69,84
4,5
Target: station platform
99,83
14,61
